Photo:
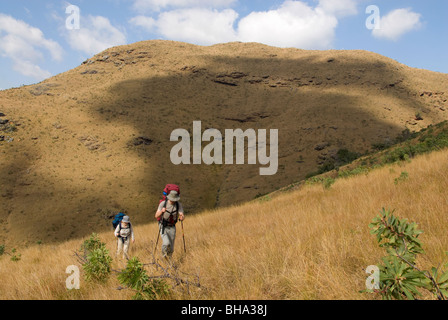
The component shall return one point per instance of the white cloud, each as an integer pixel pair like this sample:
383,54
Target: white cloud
95,35
201,26
339,8
157,5
396,23
292,24
23,44
146,23
30,69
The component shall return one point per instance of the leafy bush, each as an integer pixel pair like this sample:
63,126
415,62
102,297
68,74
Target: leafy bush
354,172
378,146
92,243
406,135
403,177
400,278
326,182
96,261
136,278
98,265
343,157
15,255
428,141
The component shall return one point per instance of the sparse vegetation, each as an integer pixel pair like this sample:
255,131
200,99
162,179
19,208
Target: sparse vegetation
325,181
408,145
135,277
354,172
15,256
403,177
400,278
342,157
95,259
428,140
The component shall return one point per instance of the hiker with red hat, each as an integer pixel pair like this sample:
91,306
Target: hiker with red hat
170,210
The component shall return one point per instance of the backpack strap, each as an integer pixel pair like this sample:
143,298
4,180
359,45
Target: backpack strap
119,228
172,213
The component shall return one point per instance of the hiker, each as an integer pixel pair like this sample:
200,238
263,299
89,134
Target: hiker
168,213
125,233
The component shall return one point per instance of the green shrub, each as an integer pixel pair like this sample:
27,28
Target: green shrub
136,278
343,157
96,259
428,141
354,172
399,276
15,255
378,146
98,265
327,166
406,135
92,243
326,182
403,177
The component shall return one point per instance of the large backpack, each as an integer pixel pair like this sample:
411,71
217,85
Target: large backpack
117,219
166,192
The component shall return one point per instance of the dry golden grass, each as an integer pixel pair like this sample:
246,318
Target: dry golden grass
313,243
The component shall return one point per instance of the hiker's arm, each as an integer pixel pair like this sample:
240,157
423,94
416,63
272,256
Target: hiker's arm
116,230
160,212
181,212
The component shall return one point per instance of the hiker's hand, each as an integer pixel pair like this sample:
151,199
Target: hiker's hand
163,210
181,217
133,240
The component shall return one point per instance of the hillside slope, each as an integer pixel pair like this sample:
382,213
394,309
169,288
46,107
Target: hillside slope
312,243
95,139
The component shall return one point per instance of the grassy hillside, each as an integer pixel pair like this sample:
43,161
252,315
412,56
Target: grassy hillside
311,243
93,140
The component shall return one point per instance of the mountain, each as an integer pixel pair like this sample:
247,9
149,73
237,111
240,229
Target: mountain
78,147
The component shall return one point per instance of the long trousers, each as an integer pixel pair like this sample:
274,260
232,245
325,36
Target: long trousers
168,237
123,246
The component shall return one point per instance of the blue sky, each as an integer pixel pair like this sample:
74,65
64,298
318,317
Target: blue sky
40,38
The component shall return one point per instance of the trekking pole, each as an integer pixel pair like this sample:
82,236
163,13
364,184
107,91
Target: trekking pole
183,236
157,242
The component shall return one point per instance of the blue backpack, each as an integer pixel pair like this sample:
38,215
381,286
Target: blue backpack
117,219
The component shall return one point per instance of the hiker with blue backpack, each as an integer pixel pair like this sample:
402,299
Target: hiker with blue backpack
170,210
125,234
